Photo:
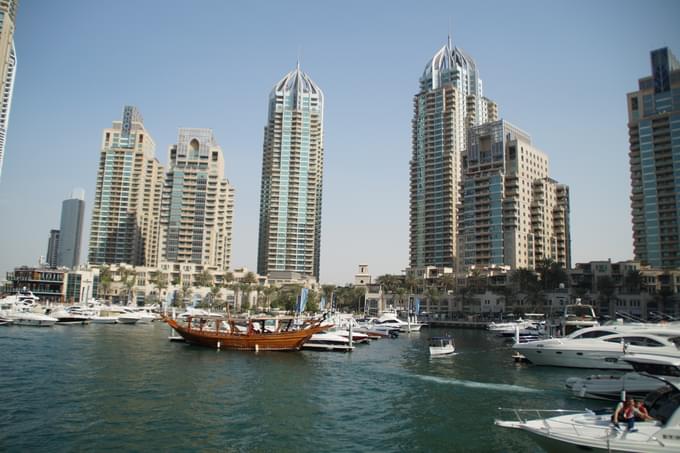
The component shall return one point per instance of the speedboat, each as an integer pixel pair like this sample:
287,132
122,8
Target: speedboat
440,346
328,341
637,384
24,312
591,431
390,321
70,316
602,347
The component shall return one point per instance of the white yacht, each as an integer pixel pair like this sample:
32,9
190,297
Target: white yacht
590,431
23,314
390,320
328,341
637,384
578,316
602,347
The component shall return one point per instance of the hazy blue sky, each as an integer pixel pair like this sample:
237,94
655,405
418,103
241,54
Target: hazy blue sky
558,70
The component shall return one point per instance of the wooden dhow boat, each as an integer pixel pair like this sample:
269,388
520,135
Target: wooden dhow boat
217,333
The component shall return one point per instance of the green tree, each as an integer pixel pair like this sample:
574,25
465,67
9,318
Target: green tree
269,291
128,279
632,281
204,279
105,280
606,289
244,289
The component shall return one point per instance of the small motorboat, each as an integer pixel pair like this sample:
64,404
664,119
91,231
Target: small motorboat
440,346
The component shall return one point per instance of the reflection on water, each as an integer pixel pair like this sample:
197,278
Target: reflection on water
104,387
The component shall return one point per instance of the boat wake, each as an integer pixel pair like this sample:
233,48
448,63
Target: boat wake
477,385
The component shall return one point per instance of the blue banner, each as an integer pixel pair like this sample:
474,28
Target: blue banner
322,303
416,306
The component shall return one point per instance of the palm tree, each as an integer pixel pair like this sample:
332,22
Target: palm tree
127,277
633,281
215,289
104,282
244,288
204,279
606,289
328,294
268,291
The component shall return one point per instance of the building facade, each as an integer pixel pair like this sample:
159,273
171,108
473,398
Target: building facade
128,191
47,284
8,67
654,134
52,248
449,101
511,212
70,231
197,204
292,176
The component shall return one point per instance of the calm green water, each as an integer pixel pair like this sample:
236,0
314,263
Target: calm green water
118,387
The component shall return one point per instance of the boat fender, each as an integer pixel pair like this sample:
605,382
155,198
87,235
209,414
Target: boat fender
257,348
218,345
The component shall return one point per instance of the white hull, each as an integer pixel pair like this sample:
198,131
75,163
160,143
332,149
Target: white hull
104,320
34,322
586,432
127,319
604,360
442,351
610,387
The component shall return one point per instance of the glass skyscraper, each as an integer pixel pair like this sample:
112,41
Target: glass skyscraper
292,173
449,101
70,230
8,67
654,134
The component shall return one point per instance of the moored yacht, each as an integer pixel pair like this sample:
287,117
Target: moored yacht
328,341
590,431
602,347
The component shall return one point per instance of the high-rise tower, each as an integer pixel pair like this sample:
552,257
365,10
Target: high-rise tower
8,67
198,203
450,100
127,195
512,213
292,172
70,230
654,134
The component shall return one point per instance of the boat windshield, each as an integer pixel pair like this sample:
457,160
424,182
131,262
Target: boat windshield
579,311
663,402
658,369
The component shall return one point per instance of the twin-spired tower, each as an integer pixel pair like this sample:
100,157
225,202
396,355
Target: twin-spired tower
449,101
292,174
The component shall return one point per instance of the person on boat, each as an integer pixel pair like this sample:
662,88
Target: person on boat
625,412
641,412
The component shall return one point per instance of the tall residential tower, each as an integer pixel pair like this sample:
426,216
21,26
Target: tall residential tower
8,67
292,172
197,204
654,134
450,100
512,213
127,195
